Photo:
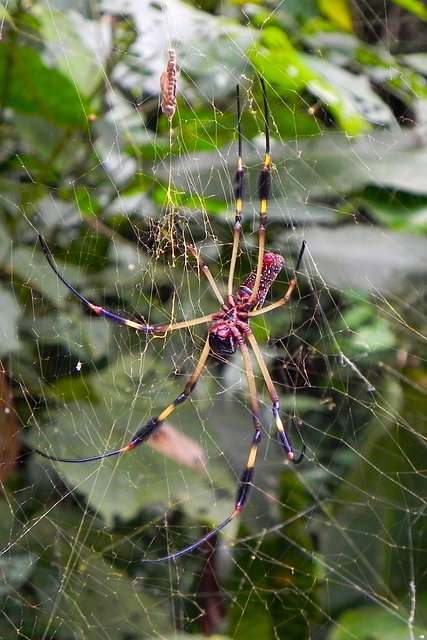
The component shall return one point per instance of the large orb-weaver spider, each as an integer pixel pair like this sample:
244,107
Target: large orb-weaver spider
229,330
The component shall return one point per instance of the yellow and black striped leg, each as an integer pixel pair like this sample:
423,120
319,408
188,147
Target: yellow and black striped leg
144,433
207,273
100,311
239,186
246,478
241,499
284,439
264,188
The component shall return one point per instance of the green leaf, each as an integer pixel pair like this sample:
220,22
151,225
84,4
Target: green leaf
416,7
290,71
29,87
373,623
338,13
77,46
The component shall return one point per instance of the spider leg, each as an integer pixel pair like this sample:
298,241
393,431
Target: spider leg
206,271
285,440
150,427
239,184
194,546
264,187
245,482
100,311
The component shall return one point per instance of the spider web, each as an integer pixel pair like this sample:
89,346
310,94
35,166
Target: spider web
330,549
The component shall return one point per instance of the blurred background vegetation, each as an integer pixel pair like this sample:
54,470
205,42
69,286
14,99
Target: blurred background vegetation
331,550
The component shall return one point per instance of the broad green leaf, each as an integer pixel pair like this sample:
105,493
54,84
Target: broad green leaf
30,87
77,46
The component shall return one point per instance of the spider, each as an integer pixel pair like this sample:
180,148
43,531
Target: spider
228,331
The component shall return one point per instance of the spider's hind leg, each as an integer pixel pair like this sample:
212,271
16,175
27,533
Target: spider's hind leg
245,482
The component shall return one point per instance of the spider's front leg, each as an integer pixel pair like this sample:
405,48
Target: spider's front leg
156,330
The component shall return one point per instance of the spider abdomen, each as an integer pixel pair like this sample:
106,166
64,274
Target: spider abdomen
272,264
